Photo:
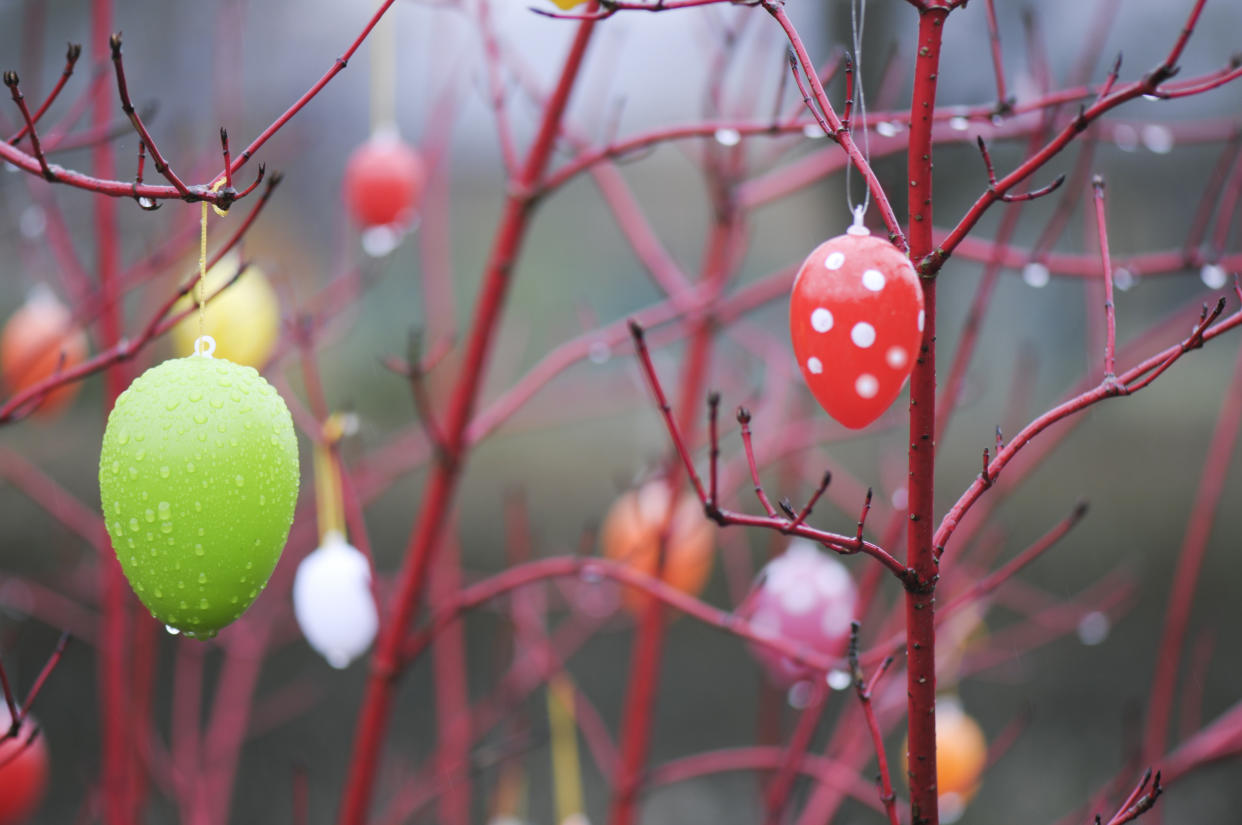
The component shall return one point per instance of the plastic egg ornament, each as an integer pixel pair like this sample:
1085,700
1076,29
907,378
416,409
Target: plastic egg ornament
333,603
244,319
856,320
806,597
384,181
198,478
39,340
961,756
631,535
23,770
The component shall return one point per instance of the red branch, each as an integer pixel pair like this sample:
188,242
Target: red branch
442,485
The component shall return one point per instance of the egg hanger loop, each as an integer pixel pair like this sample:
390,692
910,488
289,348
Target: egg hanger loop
205,346
858,15
858,227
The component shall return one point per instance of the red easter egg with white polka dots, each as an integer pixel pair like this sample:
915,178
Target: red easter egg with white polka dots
804,596
856,319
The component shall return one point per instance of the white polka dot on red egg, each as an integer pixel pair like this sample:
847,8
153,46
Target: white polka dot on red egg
821,319
832,581
798,599
835,260
866,386
836,618
863,334
896,357
815,365
766,623
874,280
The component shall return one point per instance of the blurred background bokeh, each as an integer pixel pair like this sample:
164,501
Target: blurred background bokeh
593,431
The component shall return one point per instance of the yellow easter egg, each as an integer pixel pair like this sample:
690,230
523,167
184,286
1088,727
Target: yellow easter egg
244,319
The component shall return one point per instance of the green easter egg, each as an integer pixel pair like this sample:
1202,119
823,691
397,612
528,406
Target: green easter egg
198,479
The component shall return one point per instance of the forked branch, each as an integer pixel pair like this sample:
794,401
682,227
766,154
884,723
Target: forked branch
788,524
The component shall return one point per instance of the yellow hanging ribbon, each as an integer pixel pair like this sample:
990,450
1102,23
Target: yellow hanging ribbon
202,274
329,497
566,770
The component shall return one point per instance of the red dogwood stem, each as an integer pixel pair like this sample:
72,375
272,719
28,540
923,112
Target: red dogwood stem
921,588
445,473
116,731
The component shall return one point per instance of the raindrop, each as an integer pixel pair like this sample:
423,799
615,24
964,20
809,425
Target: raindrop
1036,275
1126,137
32,224
146,203
1213,276
379,241
599,353
1094,628
839,679
959,124
164,471
952,806
799,695
172,631
1158,138
726,136
886,129
814,131
1123,278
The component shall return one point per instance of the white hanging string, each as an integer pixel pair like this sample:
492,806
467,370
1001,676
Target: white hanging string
858,15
